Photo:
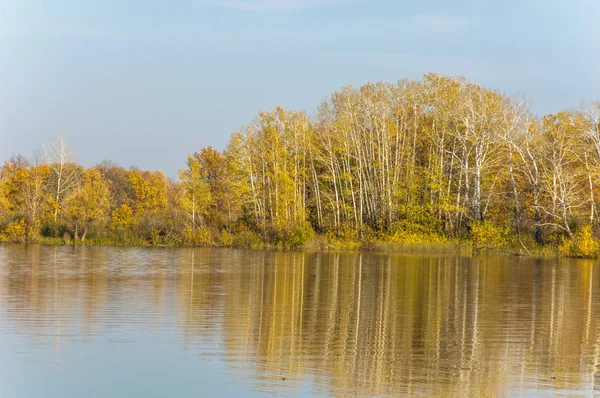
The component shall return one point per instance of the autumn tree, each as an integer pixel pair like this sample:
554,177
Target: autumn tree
4,202
65,173
36,200
273,155
426,158
562,169
89,202
118,177
148,202
194,195
219,175
591,137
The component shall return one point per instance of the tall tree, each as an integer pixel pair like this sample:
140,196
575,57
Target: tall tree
562,169
65,172
195,195
89,202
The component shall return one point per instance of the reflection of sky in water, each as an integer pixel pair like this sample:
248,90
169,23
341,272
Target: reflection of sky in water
179,322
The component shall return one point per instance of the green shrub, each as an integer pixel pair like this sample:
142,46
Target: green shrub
247,238
300,235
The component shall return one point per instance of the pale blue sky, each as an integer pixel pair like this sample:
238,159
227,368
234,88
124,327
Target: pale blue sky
144,83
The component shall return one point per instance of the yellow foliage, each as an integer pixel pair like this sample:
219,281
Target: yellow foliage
415,238
194,192
582,245
198,237
226,238
89,202
15,232
149,191
409,164
346,239
4,202
122,216
485,233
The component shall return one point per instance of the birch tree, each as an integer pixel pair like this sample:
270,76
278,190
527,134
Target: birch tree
562,170
65,173
195,195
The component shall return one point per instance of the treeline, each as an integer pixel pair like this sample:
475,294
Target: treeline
441,158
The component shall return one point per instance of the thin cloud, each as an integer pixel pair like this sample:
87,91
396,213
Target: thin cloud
269,5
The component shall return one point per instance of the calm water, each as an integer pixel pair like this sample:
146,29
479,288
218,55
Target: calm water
121,322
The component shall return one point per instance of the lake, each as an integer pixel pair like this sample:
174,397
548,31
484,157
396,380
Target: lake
126,322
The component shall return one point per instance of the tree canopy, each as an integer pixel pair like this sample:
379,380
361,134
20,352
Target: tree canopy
441,157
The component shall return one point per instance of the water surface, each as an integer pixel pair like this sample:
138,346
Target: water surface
123,322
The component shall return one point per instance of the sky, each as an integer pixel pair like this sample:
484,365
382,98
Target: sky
146,82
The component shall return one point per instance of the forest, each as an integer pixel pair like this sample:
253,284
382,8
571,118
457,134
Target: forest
439,161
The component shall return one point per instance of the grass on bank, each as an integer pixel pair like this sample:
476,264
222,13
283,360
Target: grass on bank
483,237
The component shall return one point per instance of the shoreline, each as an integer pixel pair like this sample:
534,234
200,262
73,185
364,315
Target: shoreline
446,247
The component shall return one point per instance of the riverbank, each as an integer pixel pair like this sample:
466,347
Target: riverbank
406,243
